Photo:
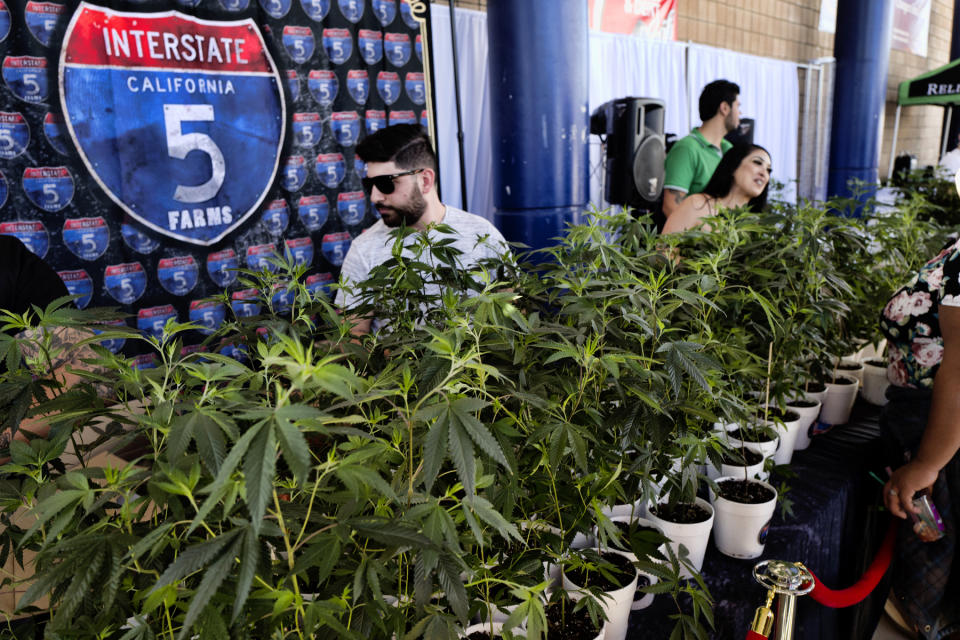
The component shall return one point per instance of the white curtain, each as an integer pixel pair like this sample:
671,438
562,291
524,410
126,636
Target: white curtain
474,104
769,93
620,66
628,66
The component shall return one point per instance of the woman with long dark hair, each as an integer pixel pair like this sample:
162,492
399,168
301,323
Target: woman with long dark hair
742,179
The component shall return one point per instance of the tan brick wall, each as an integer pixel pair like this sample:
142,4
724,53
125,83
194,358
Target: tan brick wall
919,126
785,29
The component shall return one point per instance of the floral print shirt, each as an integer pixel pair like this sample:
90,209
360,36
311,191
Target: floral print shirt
910,321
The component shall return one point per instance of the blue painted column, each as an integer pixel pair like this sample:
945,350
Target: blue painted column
862,50
540,123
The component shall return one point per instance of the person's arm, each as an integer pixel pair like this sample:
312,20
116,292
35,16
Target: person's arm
941,437
67,354
672,201
359,326
688,215
678,171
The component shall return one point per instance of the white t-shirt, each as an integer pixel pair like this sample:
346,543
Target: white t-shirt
475,237
949,164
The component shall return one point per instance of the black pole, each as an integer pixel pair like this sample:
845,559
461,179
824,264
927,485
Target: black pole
456,93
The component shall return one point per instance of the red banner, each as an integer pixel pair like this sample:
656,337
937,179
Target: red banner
911,26
648,18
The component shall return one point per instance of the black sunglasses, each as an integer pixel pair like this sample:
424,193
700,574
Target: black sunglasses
384,183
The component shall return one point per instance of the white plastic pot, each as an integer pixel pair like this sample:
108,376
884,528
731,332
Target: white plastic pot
838,403
754,471
616,605
766,449
641,600
741,529
693,536
808,415
815,395
788,432
875,384
856,372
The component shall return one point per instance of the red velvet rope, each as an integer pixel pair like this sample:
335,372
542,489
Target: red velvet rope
753,635
856,593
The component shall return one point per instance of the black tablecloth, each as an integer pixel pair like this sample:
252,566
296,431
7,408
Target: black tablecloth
835,531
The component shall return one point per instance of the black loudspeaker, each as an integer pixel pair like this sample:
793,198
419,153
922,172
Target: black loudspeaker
742,134
633,128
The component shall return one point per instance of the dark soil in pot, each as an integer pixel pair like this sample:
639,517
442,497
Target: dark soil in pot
642,581
876,362
802,404
750,435
816,387
736,458
783,416
563,623
850,366
681,512
611,579
745,491
839,380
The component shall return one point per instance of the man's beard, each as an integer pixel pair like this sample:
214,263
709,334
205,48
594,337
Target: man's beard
408,214
730,123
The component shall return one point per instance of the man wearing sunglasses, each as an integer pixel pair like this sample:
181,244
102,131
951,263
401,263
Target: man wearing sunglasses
401,181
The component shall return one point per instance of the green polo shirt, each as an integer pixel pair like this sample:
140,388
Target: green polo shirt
691,162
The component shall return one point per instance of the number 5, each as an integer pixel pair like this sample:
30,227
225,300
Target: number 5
30,79
179,145
50,191
6,139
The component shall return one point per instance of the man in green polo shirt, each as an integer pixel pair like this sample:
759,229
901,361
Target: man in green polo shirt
693,158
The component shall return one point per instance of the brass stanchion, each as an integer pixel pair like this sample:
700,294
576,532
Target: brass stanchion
787,580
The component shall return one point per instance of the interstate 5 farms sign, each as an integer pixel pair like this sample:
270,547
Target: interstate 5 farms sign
188,139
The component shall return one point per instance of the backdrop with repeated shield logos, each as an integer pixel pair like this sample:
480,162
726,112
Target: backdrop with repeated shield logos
147,148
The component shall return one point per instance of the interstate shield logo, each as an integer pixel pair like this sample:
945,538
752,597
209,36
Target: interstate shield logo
416,88
293,82
190,142
50,188
41,19
222,267
358,85
31,233
370,44
330,169
14,134
323,85
388,86
385,10
78,283
396,47
56,133
26,77
4,21
350,206
346,127
313,211
87,238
